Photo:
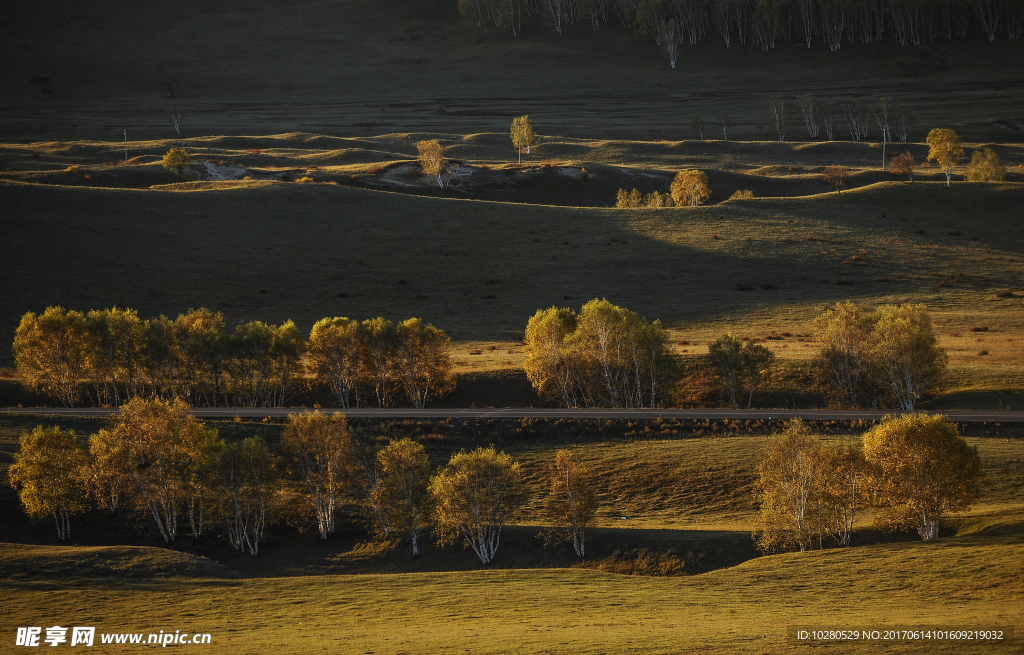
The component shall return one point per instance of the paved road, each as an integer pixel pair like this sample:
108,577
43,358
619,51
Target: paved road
516,412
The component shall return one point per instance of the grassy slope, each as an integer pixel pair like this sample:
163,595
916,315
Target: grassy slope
478,269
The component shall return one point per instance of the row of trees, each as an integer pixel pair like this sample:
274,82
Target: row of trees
764,23
913,470
607,356
819,116
157,459
688,189
603,356
106,357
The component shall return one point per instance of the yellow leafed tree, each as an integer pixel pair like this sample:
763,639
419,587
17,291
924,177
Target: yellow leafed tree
320,447
572,502
985,166
522,135
690,188
922,470
944,147
50,473
51,351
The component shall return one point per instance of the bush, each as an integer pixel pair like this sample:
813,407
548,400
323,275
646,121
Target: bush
985,166
305,180
744,194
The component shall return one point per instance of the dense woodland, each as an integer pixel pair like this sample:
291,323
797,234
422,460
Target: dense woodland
766,23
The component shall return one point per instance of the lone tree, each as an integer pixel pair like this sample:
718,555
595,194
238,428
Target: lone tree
697,125
522,135
50,473
474,497
903,165
690,188
432,160
177,159
922,471
572,502
176,116
835,176
985,166
320,448
944,147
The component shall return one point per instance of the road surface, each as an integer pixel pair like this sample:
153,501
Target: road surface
521,412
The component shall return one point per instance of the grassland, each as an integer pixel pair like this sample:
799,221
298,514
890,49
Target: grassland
681,497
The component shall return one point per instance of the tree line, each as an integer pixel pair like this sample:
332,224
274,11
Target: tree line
765,23
607,356
107,357
156,459
912,470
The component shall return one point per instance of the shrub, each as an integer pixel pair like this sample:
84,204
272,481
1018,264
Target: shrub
304,180
985,166
743,194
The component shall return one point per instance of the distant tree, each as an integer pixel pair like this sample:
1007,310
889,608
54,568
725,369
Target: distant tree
572,501
905,352
176,115
787,489
944,147
336,359
50,474
857,116
922,471
903,165
402,490
522,135
177,159
423,361
903,122
835,176
474,496
432,160
779,116
634,199
985,166
666,34
51,352
827,111
812,115
697,125
380,343
884,111
320,448
690,188
248,479
724,122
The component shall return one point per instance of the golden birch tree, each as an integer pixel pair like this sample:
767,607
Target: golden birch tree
922,470
320,448
51,352
50,474
402,489
571,501
474,496
944,148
